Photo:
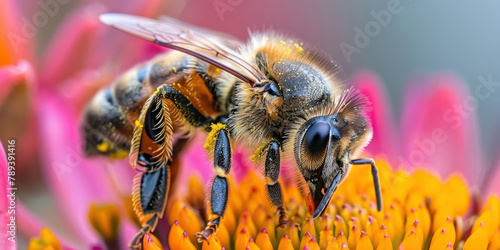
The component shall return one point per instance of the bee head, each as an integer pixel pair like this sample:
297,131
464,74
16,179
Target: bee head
323,146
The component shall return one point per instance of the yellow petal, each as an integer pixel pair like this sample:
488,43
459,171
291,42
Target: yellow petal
251,245
263,240
185,243
174,236
292,231
364,242
247,224
332,244
354,235
196,193
372,228
489,217
212,243
223,236
105,219
47,240
411,242
325,236
285,243
495,242
478,240
305,240
242,239
341,239
309,227
340,225
382,232
150,242
385,243
188,220
443,235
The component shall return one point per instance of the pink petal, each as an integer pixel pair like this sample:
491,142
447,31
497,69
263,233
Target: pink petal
436,134
18,89
195,160
383,141
10,75
75,180
5,192
71,47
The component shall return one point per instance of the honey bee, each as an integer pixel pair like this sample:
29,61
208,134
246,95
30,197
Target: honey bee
279,97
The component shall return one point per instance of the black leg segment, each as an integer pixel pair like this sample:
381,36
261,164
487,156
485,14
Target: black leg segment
220,188
272,173
376,181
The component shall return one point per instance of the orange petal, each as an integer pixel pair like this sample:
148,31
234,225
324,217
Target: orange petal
411,242
212,244
285,243
309,227
242,239
340,225
364,242
490,217
174,237
354,235
189,221
105,219
150,242
341,239
478,239
196,193
325,236
495,242
251,245
382,234
372,228
443,235
46,241
263,240
385,243
305,240
332,244
185,243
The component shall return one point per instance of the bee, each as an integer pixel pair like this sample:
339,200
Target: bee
278,97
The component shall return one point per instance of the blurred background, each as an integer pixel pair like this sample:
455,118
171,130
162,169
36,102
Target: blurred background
401,42
420,37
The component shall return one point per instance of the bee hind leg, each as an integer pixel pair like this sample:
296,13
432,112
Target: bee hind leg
220,188
149,198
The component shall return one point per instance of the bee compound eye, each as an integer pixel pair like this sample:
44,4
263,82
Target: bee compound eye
317,136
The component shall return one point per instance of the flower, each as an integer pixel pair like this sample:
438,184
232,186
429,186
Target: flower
420,211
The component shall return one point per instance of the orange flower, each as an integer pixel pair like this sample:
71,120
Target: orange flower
414,216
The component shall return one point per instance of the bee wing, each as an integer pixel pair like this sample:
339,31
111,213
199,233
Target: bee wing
197,44
228,40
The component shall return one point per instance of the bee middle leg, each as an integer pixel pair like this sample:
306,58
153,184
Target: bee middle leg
220,188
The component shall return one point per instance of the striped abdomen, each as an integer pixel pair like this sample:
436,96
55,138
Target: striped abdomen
110,118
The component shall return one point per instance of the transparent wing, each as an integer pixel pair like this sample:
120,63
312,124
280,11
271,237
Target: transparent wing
197,44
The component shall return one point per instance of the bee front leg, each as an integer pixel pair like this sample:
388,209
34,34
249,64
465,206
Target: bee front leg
220,188
272,173
376,180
